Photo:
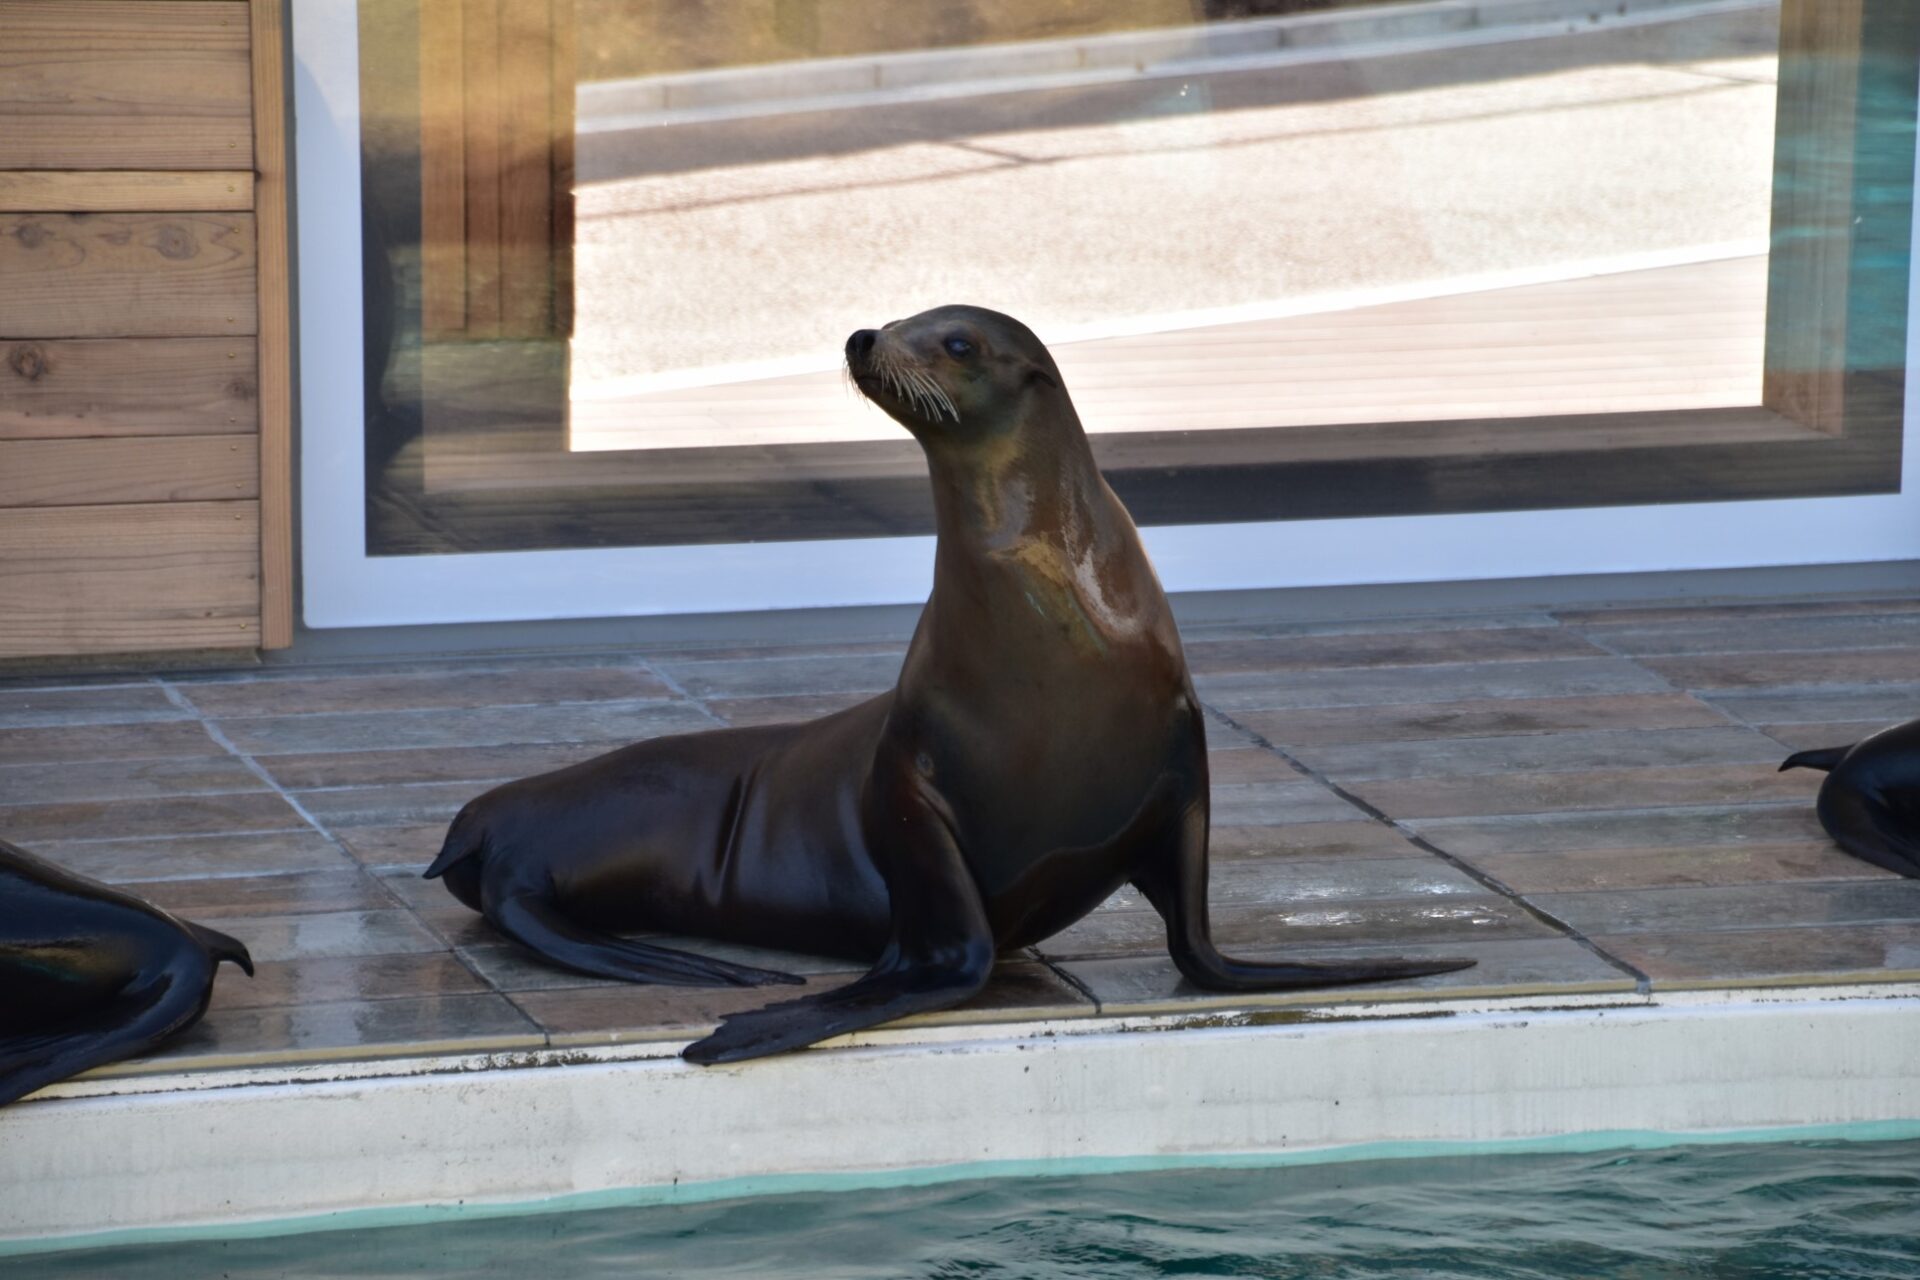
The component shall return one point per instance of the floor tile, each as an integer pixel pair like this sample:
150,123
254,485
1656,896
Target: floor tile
281,895
139,859
463,688
1709,614
1392,649
1246,804
326,934
94,704
409,847
169,816
1758,670
1557,678
1497,793
1735,907
1821,953
1825,733
412,804
426,764
1620,829
1540,753
767,677
789,709
1574,870
343,1032
280,984
1884,704
1560,966
1344,840
1286,882
1822,632
512,968
78,780
1229,766
1480,718
151,740
464,727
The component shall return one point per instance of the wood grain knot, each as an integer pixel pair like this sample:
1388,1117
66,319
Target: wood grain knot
240,389
29,360
175,242
31,235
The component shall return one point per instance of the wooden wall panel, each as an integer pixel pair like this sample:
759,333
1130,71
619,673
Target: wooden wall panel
126,274
178,575
123,190
275,295
72,473
124,84
76,387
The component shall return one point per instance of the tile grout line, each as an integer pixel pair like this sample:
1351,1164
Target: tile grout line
679,691
1643,984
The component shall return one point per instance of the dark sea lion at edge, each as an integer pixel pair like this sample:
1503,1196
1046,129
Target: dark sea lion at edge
1042,748
91,974
1869,801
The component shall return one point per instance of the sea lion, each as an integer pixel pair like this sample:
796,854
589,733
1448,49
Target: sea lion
1869,801
1042,747
91,974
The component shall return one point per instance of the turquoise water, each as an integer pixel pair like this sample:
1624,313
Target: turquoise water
1832,1210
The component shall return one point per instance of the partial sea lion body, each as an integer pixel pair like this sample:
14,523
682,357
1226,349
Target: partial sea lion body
1042,747
90,974
1869,801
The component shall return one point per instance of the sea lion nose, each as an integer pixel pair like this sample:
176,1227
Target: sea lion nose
861,343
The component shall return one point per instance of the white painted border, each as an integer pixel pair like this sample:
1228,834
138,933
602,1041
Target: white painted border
1025,1099
343,587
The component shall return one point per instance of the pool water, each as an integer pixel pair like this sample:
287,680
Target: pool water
1834,1210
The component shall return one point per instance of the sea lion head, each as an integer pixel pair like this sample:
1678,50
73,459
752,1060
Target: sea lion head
957,375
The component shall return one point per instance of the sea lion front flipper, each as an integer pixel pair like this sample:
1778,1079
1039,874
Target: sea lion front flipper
124,1028
940,953
1174,879
539,926
1864,826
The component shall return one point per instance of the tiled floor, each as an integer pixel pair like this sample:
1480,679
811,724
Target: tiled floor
1585,800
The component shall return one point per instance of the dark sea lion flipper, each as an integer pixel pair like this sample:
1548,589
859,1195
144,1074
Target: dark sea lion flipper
1174,880
538,925
1821,758
941,951
220,946
126,1028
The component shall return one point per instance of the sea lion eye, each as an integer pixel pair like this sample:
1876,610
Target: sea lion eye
959,348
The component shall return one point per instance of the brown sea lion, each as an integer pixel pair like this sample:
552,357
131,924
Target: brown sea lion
1042,748
91,974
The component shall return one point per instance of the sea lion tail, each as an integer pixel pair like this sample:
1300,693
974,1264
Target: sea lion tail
464,839
1821,758
221,947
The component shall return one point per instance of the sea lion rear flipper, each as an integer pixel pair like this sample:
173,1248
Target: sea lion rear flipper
1821,758
220,946
125,1028
538,925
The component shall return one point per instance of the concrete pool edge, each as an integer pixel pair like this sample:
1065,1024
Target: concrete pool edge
424,1141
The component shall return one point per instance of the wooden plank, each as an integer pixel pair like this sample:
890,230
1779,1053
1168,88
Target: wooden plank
70,473
443,167
66,275
65,389
275,474
174,575
566,75
526,170
1813,222
124,84
483,166
123,191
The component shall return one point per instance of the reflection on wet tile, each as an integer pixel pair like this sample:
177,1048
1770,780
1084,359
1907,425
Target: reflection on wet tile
353,979
1150,984
481,765
332,933
1757,670
1287,881
94,704
1251,804
457,727
413,804
1310,840
785,674
1620,829
1539,753
409,847
1829,953
159,739
288,696
790,709
1498,793
1734,907
1407,921
1556,678
1577,870
512,968
342,1032
1480,718
1389,649
271,853
73,780
167,816
283,895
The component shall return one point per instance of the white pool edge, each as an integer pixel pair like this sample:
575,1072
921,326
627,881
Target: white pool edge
405,1141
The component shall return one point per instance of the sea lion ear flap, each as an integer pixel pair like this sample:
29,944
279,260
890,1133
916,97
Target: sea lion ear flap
1037,374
